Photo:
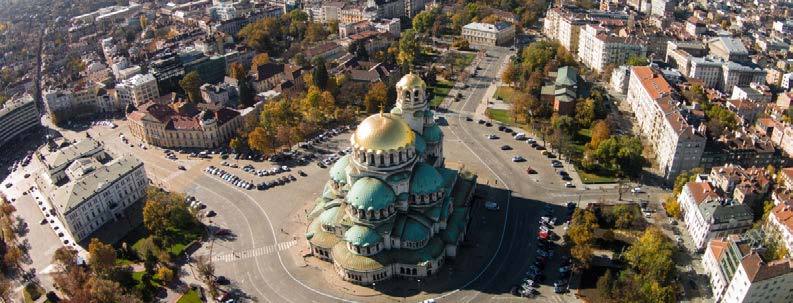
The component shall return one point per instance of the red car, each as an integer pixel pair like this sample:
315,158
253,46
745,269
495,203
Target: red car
531,171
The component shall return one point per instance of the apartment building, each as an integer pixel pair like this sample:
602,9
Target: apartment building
500,33
738,274
735,74
709,216
780,225
17,116
706,69
728,49
597,48
81,99
677,144
743,185
782,136
137,90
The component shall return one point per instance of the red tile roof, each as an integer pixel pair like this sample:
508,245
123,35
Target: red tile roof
653,83
702,191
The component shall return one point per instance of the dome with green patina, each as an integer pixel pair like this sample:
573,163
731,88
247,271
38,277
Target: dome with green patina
421,145
433,133
362,236
425,180
338,170
382,132
328,217
415,231
370,194
411,81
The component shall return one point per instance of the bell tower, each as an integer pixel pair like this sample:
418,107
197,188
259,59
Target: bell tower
412,101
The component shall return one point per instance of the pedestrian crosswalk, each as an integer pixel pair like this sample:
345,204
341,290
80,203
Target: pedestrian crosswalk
254,252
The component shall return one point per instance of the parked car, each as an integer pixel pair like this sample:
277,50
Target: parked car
530,171
490,205
518,159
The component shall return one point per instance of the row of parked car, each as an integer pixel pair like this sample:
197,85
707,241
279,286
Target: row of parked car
229,177
104,123
324,136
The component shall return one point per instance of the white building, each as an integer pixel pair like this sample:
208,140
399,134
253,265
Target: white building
597,49
79,100
677,145
787,81
94,189
620,78
137,90
17,116
501,33
706,69
662,7
738,274
706,215
735,74
780,225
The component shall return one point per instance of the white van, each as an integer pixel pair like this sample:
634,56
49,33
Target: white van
520,136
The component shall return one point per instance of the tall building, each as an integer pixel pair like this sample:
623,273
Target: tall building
738,273
708,216
391,208
597,49
137,90
17,116
90,188
677,144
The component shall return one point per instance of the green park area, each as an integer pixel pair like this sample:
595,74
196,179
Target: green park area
439,91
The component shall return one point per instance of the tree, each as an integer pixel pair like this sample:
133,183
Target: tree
235,143
585,112
64,257
320,74
509,75
165,274
155,217
600,132
6,289
461,44
260,141
247,93
102,257
315,32
424,21
237,71
582,237
259,60
375,97
672,207
206,272
564,123
637,60
652,255
409,47
191,84
519,111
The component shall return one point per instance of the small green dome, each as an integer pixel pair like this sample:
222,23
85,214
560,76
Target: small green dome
338,170
370,193
433,133
328,217
428,113
414,231
426,179
421,145
362,236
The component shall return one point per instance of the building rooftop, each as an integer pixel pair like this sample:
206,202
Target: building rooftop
487,27
65,155
75,192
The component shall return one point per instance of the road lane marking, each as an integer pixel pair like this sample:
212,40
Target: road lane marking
255,252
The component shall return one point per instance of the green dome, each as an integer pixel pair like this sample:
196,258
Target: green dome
421,145
337,171
362,236
414,231
433,133
370,193
328,217
426,179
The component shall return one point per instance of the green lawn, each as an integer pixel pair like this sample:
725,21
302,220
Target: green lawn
588,178
190,297
138,277
500,115
440,91
179,238
508,93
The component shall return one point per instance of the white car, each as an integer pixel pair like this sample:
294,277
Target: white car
569,185
518,159
636,190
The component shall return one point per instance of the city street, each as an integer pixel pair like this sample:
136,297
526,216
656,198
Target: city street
262,254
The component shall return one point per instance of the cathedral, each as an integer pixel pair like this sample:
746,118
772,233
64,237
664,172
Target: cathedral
391,208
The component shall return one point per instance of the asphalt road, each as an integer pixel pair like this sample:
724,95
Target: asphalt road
260,259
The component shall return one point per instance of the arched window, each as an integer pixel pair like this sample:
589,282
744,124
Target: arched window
382,160
391,157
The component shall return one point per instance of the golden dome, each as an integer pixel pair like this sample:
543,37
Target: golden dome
383,132
411,81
